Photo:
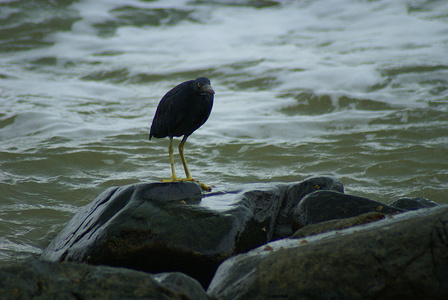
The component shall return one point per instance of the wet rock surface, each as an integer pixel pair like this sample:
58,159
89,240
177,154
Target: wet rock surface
412,203
163,227
338,224
323,206
46,280
295,193
401,257
347,247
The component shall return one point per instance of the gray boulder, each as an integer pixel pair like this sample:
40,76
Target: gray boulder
294,194
412,203
165,227
404,256
323,206
338,224
45,280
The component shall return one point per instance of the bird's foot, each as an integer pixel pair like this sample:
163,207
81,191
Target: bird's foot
203,186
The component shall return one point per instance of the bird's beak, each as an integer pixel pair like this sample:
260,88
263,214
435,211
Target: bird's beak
208,89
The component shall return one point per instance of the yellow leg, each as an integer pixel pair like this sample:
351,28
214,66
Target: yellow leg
184,162
182,157
173,173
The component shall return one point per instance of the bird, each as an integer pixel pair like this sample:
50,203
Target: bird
182,110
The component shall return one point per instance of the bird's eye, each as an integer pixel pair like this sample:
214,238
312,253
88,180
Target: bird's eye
199,84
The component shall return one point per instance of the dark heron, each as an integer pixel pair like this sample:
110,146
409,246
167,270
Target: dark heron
180,112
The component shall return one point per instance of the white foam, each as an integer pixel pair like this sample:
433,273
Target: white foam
321,46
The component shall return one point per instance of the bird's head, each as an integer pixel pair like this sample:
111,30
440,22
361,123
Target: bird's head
202,85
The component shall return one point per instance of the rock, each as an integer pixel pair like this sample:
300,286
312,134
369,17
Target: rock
165,227
295,193
181,284
404,256
323,206
45,280
412,203
149,227
339,224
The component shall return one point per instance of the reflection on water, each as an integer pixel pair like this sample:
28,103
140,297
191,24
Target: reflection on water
358,90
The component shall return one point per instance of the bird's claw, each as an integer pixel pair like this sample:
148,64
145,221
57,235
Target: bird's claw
205,187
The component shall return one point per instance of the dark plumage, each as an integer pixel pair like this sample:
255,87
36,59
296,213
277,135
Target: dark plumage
180,112
183,109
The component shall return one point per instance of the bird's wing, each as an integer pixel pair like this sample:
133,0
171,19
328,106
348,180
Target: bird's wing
174,90
169,112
